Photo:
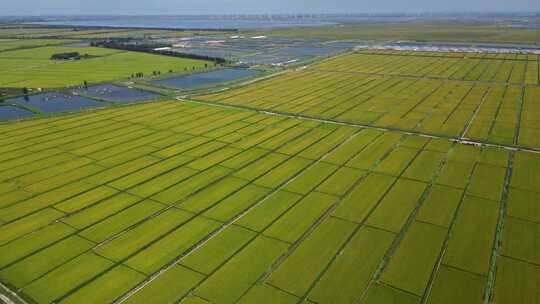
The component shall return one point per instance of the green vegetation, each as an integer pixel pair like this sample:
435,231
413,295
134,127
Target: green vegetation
420,31
480,96
42,32
14,44
302,267
33,68
180,202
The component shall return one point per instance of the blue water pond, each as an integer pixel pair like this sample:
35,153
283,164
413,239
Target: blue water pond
11,113
117,93
205,79
52,102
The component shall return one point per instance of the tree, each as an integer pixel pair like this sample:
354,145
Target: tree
66,56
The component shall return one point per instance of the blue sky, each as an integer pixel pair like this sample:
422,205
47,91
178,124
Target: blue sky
190,7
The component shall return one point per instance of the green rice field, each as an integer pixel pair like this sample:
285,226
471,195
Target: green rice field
489,98
13,44
29,32
477,31
40,32
33,67
178,202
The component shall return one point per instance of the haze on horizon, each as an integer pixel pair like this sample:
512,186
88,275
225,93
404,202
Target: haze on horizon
202,7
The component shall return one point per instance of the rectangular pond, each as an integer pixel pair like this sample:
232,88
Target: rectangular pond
117,94
268,58
205,79
308,51
52,102
8,112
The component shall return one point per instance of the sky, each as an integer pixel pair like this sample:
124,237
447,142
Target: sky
198,7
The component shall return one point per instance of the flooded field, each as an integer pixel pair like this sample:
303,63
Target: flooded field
56,102
205,79
12,113
289,55
457,47
259,49
117,94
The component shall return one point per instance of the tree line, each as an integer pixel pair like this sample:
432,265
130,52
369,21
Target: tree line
147,48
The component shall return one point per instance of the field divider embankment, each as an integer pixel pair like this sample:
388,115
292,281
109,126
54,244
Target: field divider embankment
9,296
358,89
421,54
497,242
431,282
300,135
498,111
368,88
327,214
406,226
320,92
430,113
209,237
475,114
362,223
422,100
456,106
323,217
120,232
519,116
119,191
364,126
190,250
416,77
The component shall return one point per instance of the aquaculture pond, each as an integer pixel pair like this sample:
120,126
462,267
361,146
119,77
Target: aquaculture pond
8,112
288,55
117,93
204,79
309,51
56,102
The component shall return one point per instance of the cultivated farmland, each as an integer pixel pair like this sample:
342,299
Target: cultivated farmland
177,202
490,98
12,44
33,67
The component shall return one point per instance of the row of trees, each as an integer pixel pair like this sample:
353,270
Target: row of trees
151,48
69,56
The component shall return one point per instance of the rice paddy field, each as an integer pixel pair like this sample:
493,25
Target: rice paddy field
42,32
30,32
13,44
178,202
422,30
33,67
484,97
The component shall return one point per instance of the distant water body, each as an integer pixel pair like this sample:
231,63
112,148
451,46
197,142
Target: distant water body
186,23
